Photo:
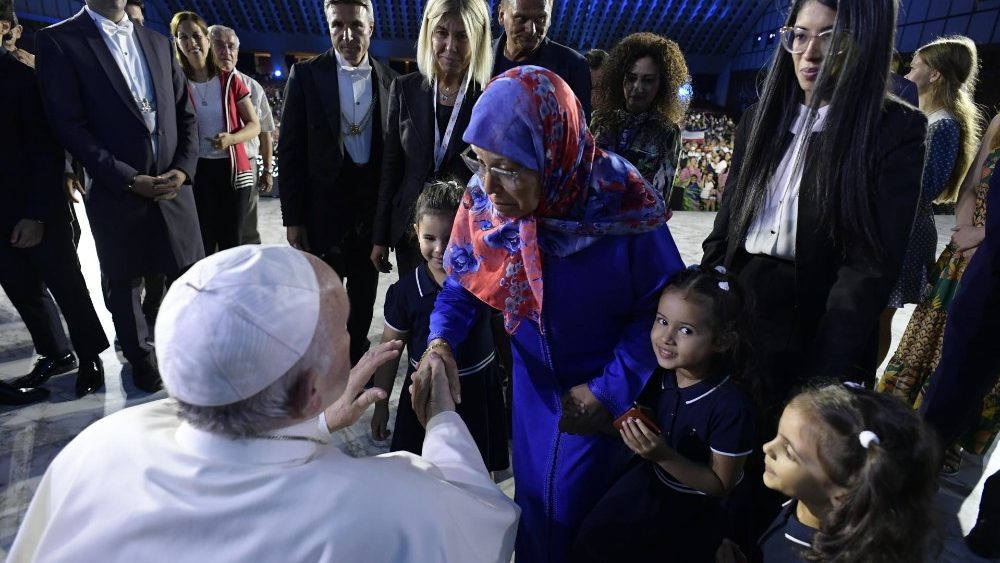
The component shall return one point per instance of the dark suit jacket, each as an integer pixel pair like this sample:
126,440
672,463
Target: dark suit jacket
838,300
311,150
408,160
567,63
95,118
31,159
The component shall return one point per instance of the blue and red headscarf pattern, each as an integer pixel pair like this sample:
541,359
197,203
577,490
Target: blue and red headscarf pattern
530,116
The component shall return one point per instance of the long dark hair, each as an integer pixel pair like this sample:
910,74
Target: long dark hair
854,79
889,481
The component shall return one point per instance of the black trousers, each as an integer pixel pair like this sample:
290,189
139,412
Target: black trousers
53,263
351,257
218,204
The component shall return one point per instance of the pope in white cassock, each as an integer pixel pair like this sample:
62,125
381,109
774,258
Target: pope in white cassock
235,466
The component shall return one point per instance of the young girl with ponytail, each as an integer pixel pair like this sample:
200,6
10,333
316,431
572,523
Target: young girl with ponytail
860,467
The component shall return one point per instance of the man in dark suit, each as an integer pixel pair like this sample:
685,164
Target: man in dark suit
523,42
37,245
329,154
118,103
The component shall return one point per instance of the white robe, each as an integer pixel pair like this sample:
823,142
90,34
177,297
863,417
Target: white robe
141,485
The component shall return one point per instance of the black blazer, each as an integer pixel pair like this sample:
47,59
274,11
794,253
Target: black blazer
95,118
408,160
311,150
560,59
838,300
31,159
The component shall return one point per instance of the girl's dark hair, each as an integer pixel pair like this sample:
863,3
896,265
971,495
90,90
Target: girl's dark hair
727,311
890,485
438,198
854,79
669,59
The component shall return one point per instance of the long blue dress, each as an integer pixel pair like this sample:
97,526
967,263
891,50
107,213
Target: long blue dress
599,308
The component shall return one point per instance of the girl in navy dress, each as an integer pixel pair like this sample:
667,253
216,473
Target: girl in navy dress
860,468
408,306
667,505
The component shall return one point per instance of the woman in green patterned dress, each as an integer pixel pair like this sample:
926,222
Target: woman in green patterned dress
637,106
908,372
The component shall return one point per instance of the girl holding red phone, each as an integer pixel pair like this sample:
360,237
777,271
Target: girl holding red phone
691,448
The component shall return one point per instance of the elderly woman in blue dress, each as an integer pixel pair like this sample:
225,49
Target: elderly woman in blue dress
571,245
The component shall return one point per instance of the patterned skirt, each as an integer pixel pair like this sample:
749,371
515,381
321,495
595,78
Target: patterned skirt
911,367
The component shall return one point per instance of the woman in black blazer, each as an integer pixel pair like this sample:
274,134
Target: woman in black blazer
428,113
820,247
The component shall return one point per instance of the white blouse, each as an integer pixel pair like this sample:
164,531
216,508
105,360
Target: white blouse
773,231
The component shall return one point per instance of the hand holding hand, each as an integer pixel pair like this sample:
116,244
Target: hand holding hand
355,400
430,390
380,259
27,233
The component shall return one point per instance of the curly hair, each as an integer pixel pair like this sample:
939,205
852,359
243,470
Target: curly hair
666,54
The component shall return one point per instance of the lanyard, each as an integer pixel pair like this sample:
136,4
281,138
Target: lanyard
441,145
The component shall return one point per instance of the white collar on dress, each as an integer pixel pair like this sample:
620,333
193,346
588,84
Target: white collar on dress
800,119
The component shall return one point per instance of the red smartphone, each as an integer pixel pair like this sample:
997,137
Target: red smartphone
639,412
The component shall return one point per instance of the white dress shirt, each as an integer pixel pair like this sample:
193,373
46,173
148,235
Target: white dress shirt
356,97
259,99
141,485
127,53
773,231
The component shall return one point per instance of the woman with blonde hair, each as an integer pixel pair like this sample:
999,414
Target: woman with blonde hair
226,120
428,113
944,72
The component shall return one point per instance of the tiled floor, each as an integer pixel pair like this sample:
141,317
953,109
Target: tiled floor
31,436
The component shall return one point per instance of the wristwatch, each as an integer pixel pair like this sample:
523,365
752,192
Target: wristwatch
131,182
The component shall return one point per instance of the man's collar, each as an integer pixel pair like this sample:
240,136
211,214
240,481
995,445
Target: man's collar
98,17
348,67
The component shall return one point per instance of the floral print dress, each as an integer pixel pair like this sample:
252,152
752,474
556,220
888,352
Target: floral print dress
909,371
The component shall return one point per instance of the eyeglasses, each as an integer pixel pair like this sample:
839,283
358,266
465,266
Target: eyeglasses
507,178
796,40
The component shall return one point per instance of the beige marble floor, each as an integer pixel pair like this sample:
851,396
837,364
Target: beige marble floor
31,436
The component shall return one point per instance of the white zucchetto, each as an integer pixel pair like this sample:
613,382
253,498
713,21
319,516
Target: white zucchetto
235,323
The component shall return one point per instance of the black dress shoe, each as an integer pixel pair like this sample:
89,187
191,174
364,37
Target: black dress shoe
146,377
10,395
45,367
90,378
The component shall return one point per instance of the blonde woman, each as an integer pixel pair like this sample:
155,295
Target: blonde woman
944,72
428,113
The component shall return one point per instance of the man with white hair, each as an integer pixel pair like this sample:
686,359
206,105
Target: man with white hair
236,466
226,46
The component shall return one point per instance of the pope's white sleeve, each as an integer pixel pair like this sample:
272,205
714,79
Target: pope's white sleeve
450,447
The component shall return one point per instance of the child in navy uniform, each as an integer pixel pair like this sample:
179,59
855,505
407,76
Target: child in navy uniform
667,505
861,469
408,306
